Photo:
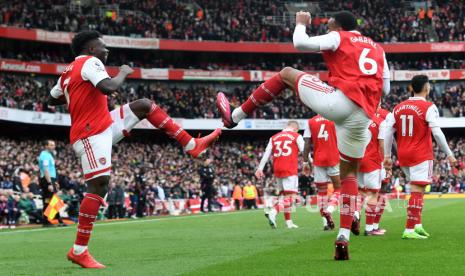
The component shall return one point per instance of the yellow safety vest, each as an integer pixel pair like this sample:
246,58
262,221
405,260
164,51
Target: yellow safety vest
249,192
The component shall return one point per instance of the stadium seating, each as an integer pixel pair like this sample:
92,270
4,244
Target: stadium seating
194,100
142,166
264,20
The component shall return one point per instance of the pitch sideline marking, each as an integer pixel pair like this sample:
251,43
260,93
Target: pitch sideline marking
132,221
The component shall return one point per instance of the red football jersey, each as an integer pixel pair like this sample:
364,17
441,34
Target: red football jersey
382,113
414,142
373,156
87,105
356,68
285,152
323,134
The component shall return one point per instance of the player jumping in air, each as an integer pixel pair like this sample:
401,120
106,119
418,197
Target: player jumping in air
84,86
358,74
415,120
285,147
322,133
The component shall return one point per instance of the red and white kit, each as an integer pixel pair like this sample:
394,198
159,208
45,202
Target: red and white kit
325,152
284,147
94,130
369,175
415,120
357,67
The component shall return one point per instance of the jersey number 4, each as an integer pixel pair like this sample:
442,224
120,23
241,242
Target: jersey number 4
323,133
363,61
285,150
407,119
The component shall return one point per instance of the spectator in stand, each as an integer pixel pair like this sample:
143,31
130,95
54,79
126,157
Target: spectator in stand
28,206
72,200
3,211
386,21
13,211
115,200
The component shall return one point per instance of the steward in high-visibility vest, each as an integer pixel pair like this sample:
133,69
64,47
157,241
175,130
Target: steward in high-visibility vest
250,194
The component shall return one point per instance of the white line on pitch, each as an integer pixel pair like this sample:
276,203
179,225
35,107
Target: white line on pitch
130,221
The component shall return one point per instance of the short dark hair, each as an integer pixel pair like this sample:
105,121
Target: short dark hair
418,82
346,20
47,141
81,39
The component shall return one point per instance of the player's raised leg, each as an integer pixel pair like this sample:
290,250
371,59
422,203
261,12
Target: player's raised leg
147,109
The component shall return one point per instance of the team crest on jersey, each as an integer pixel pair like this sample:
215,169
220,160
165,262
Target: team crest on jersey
103,160
98,67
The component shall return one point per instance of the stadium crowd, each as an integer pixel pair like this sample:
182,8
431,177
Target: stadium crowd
245,20
195,100
149,172
229,62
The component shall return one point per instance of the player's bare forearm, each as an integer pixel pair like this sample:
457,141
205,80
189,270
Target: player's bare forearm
109,86
307,148
381,147
54,102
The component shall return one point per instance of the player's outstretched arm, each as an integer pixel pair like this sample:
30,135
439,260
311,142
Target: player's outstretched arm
303,42
110,85
56,96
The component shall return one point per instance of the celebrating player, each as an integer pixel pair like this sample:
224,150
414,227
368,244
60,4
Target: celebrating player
358,74
84,86
369,179
285,147
414,120
322,133
381,113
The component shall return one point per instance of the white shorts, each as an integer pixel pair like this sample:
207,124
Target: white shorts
350,120
322,174
369,181
419,174
383,173
95,151
288,184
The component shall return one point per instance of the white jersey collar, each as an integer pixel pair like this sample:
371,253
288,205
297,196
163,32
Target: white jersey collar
417,98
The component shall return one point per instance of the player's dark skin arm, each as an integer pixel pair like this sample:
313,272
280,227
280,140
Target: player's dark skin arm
307,148
54,102
108,86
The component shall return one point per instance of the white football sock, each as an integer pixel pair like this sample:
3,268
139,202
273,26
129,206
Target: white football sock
369,227
344,232
357,214
418,225
330,209
375,226
325,222
409,230
238,114
79,249
190,145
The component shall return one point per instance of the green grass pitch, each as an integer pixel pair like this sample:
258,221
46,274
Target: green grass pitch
242,243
